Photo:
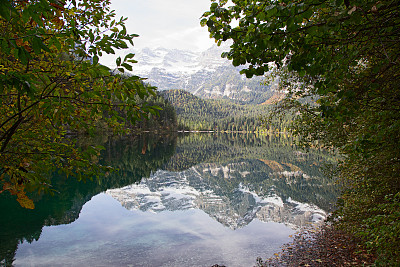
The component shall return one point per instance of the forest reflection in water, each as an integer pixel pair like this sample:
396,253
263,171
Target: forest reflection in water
196,189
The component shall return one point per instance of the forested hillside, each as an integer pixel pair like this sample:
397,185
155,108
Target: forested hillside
194,113
166,118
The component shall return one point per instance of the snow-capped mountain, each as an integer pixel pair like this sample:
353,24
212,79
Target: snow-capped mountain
190,189
204,74
171,60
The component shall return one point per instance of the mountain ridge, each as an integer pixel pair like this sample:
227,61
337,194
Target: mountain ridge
205,74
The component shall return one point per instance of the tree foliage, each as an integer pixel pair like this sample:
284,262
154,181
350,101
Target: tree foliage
342,57
51,84
165,120
194,113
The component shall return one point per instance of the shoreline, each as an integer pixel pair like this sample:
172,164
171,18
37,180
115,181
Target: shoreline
322,246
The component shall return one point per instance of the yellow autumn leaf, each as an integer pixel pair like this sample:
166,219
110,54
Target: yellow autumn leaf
25,202
19,42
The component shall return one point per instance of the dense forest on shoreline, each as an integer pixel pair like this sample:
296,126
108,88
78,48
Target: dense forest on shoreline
197,114
164,120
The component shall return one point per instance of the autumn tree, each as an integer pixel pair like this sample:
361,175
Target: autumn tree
52,85
339,67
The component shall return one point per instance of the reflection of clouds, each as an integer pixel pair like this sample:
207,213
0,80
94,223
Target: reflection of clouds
180,238
233,248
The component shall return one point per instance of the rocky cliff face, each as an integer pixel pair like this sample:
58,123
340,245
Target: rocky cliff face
232,207
205,74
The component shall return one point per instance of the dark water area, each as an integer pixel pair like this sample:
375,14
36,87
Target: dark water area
176,200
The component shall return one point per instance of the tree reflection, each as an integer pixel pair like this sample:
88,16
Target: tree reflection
18,224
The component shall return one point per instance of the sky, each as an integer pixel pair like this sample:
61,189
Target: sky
165,23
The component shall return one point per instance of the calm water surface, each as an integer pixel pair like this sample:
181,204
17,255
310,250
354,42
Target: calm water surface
194,200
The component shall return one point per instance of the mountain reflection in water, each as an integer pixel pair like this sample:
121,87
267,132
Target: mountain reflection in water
202,186
193,189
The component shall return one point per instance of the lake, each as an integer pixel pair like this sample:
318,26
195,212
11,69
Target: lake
176,200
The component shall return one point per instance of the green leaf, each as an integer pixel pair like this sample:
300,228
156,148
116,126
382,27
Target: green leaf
118,61
36,45
127,66
23,55
95,59
129,56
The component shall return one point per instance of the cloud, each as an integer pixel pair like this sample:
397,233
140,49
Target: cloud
163,23
172,23
194,39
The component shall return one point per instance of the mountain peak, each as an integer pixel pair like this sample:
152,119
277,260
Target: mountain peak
205,74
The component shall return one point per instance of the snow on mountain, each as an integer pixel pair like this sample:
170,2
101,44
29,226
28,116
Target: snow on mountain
205,74
189,189
167,60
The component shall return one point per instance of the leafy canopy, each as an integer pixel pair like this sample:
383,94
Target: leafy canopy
51,85
338,63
